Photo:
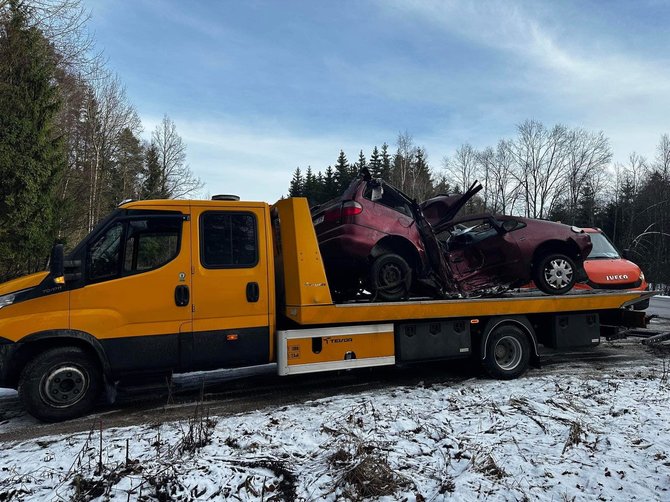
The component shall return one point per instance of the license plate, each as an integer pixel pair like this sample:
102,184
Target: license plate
318,220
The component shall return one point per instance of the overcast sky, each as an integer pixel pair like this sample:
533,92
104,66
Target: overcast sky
257,88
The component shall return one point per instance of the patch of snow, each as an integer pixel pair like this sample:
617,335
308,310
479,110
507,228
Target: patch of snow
7,393
561,434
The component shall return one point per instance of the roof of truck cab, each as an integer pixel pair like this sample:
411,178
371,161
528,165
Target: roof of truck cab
158,203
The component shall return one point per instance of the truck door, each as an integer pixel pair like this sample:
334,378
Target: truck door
134,295
230,287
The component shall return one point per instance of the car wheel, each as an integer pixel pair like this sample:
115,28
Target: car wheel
60,384
391,277
507,352
555,274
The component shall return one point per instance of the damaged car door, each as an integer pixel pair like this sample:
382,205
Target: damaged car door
482,252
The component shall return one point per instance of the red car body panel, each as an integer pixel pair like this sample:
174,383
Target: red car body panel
506,258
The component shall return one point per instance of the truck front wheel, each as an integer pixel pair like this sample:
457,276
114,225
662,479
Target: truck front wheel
59,384
507,352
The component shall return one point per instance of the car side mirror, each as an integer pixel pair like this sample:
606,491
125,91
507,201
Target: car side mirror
626,254
377,193
57,263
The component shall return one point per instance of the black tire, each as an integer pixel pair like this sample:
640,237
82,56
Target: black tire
507,352
390,277
60,384
555,274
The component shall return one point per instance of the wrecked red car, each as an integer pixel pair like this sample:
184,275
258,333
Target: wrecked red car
375,238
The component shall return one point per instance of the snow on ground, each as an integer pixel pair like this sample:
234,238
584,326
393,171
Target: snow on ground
570,433
7,392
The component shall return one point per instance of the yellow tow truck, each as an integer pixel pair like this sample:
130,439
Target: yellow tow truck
172,286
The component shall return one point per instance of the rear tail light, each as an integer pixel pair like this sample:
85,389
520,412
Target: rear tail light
347,208
351,208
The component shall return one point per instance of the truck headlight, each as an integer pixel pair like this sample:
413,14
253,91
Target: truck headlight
7,299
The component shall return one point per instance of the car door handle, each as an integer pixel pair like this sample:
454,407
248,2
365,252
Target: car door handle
253,292
181,295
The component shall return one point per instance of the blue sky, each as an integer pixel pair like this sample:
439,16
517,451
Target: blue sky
258,88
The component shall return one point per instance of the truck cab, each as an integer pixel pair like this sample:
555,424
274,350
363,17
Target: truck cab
157,287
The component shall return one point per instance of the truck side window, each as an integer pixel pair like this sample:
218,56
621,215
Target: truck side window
228,240
151,243
104,254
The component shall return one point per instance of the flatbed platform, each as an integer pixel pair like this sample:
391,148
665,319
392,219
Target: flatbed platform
513,303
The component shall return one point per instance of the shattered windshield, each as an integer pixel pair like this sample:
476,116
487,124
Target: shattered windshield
602,248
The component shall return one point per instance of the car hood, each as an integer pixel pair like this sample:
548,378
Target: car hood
21,283
612,271
443,208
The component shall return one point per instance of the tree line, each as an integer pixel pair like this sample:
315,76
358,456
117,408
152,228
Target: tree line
70,147
557,173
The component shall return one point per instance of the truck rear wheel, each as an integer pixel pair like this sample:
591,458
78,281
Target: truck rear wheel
60,384
507,352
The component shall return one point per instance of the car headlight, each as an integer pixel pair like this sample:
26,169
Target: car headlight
642,276
576,230
7,299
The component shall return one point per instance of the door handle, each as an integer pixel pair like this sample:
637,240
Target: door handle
181,295
253,292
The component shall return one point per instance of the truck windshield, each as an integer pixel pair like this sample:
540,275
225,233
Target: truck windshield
95,230
602,248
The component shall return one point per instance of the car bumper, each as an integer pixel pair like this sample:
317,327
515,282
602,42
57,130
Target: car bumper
626,286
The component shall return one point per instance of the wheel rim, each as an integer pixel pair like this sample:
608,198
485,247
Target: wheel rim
558,273
64,386
391,278
508,352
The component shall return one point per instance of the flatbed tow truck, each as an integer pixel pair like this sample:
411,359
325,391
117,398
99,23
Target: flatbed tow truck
163,287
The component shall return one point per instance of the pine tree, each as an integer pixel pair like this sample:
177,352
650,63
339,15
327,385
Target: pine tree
385,169
361,163
375,164
421,180
342,172
128,165
297,186
310,187
151,186
329,184
32,153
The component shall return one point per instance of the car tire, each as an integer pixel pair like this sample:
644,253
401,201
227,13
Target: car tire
60,384
507,352
555,274
390,277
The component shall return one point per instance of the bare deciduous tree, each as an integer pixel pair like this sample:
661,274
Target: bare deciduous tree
587,156
540,154
177,180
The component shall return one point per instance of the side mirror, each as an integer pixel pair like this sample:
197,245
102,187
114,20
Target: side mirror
57,263
626,254
377,193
